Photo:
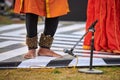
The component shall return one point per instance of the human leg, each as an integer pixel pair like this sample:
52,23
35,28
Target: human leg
31,38
46,38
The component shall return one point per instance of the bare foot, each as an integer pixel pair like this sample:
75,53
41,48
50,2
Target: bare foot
31,54
47,52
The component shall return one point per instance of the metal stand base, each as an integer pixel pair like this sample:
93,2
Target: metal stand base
93,71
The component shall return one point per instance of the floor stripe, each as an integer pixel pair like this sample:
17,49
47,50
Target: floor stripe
67,39
7,43
112,60
17,35
15,32
59,63
97,55
82,61
64,46
40,61
66,43
18,32
13,53
69,28
9,64
12,38
12,26
11,47
68,35
2,40
79,32
11,30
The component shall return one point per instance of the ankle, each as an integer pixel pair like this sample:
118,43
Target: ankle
32,51
31,54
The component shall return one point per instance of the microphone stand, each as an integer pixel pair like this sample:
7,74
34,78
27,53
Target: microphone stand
91,70
89,30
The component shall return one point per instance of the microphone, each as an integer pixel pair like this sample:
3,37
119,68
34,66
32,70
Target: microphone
66,50
69,52
93,24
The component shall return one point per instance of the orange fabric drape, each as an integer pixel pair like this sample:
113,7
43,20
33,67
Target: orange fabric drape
107,30
48,8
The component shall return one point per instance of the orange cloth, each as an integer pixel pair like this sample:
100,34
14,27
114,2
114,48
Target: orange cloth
48,8
107,30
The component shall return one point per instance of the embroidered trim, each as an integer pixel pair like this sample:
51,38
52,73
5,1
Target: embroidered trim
47,8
